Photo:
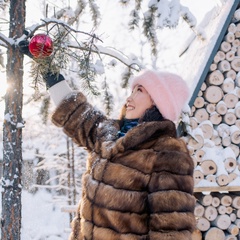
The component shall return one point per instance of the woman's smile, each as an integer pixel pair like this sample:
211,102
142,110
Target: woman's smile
130,107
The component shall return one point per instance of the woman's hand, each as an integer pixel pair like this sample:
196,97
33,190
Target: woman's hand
49,77
24,48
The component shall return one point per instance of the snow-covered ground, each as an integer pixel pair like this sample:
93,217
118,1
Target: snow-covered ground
42,218
47,221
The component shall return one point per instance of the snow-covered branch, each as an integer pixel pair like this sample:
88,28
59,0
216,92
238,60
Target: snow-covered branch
131,63
5,41
46,22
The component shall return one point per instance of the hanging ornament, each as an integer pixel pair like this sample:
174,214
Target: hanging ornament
41,46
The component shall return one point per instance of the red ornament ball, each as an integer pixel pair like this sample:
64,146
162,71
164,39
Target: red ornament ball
41,46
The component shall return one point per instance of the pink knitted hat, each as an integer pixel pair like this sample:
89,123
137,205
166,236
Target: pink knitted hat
168,91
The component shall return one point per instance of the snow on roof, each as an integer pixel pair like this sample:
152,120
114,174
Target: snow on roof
200,50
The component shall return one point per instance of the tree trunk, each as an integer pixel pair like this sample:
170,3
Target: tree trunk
12,132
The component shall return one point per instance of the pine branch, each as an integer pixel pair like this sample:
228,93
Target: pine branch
107,97
134,20
83,54
94,11
2,65
134,15
88,76
149,30
114,54
125,77
124,2
138,4
188,17
44,110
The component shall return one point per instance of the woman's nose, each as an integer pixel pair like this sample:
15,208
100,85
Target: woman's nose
129,98
132,95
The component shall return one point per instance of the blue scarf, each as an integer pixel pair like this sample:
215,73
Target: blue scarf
127,125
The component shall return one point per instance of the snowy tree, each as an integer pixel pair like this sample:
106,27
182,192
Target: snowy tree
159,14
84,58
12,132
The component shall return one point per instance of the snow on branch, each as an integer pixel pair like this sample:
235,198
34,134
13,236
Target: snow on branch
5,41
159,14
46,22
169,12
129,62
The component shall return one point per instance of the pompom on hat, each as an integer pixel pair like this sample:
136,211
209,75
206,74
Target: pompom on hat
168,91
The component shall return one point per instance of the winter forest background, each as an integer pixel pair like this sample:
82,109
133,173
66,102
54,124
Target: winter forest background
52,164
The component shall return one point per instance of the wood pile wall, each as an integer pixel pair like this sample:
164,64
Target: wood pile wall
214,144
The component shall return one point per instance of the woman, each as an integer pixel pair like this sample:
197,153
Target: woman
138,183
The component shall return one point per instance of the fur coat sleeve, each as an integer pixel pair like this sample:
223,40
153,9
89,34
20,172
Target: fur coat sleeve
83,123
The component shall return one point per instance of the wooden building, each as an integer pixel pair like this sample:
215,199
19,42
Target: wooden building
214,75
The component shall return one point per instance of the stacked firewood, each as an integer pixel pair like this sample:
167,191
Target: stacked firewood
218,216
216,166
215,116
214,142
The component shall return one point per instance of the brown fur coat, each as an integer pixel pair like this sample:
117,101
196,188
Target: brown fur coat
136,187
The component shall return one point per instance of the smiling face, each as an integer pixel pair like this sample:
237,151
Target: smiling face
138,102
